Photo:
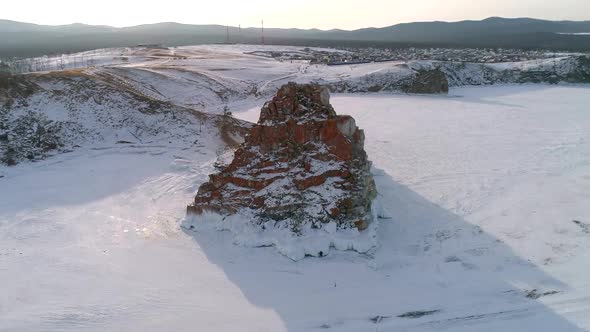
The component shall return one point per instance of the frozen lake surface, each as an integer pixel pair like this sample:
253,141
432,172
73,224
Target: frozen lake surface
487,193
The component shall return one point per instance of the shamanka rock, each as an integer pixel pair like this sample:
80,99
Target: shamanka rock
301,165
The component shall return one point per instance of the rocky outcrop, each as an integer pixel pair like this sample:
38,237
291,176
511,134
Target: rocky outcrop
301,165
581,72
428,82
572,69
423,76
13,87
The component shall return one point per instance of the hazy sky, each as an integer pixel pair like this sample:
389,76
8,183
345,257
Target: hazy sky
323,14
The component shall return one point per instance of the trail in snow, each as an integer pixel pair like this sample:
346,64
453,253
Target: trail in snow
481,189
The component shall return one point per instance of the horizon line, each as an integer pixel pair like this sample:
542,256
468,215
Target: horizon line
291,28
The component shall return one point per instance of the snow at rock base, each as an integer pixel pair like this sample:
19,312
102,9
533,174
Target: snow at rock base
308,241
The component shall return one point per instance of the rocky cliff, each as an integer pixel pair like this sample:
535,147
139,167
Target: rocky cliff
427,82
425,76
301,166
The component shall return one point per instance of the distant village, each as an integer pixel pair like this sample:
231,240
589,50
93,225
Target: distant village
347,56
317,56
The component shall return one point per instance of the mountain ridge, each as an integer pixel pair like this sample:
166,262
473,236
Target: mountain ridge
103,26
19,39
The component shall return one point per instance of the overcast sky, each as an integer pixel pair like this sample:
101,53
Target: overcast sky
322,14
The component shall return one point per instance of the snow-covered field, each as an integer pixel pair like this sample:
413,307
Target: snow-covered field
488,229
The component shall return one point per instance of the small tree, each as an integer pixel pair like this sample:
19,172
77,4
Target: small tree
226,112
4,67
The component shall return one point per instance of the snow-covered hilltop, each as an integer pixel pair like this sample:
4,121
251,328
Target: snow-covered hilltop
48,113
228,72
135,94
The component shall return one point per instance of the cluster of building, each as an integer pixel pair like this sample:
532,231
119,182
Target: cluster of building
367,55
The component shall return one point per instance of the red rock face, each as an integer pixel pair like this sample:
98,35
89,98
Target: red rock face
301,164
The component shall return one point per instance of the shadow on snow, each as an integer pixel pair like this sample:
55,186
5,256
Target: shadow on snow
432,271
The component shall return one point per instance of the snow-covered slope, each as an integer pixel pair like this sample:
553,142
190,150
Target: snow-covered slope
67,110
230,73
207,77
487,229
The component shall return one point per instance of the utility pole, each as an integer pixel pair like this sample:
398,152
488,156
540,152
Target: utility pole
227,37
262,37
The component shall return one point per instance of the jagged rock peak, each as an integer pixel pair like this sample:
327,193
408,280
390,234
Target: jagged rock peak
297,102
302,166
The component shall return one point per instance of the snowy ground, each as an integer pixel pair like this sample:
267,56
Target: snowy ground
487,191
209,77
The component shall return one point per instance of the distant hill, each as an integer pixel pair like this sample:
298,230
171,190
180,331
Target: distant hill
26,39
